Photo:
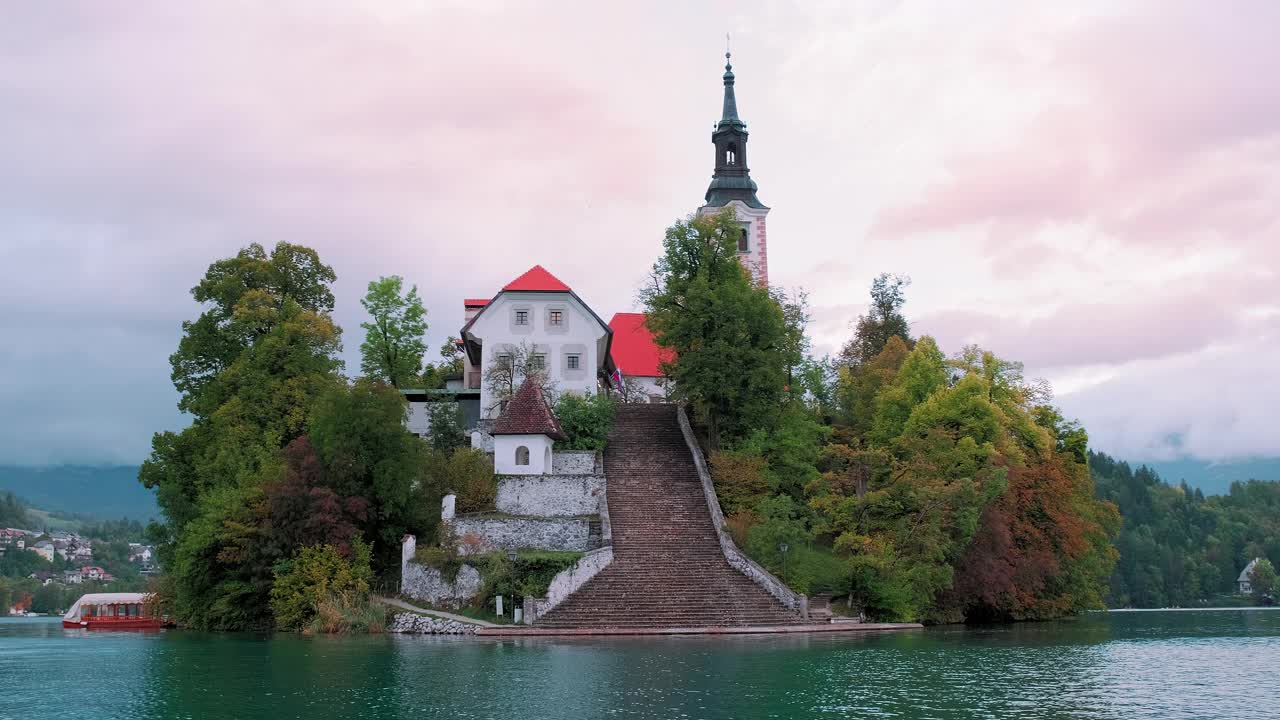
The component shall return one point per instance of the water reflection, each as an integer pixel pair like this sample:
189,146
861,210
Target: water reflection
1122,665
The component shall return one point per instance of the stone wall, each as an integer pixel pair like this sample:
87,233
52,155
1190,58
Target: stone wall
491,533
737,559
566,582
427,584
550,495
576,462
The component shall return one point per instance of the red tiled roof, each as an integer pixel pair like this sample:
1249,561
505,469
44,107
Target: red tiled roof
537,279
634,351
475,302
527,413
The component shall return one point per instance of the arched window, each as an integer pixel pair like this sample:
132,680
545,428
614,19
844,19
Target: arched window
744,242
546,460
522,455
731,154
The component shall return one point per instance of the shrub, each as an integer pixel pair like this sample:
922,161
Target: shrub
314,577
529,576
468,474
739,478
585,419
349,613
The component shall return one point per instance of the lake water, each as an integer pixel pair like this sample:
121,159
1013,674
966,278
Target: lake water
1120,665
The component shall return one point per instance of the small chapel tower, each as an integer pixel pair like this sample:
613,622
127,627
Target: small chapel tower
732,186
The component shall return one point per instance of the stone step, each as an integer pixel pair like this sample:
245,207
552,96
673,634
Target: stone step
669,569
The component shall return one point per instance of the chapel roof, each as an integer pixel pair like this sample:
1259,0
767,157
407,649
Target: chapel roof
527,413
634,350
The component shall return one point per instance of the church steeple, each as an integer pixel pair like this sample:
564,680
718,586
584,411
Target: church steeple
732,179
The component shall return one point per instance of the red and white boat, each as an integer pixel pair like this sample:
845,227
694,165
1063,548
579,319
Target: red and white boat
113,611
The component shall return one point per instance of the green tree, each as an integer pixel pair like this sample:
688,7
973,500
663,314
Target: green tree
360,438
393,346
733,347
882,321
248,370
1263,579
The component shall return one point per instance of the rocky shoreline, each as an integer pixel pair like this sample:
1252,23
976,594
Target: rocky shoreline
412,623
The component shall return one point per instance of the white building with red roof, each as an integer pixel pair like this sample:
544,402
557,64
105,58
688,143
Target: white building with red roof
538,315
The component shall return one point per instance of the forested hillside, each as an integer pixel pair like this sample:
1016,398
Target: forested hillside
1179,547
98,491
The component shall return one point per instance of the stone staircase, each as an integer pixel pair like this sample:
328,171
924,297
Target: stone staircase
668,568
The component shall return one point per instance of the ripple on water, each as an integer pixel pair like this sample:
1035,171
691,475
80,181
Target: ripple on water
1140,665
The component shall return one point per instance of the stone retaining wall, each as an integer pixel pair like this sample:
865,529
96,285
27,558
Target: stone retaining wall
414,623
566,582
550,495
486,533
425,583
576,462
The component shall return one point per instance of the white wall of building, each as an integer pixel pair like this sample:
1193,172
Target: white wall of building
579,334
505,454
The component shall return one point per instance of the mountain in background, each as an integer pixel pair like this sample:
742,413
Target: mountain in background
1215,478
105,492
109,492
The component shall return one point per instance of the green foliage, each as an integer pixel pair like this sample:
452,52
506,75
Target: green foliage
360,438
884,320
445,433
317,579
739,479
467,473
1263,580
946,490
1177,546
393,345
585,419
12,512
528,576
733,344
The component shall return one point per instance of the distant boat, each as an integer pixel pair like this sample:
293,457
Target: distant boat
113,611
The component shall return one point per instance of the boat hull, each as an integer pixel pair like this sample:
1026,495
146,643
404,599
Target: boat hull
134,623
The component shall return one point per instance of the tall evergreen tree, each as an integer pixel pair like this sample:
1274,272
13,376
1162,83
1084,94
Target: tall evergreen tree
883,320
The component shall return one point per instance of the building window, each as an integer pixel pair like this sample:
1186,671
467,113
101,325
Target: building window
522,317
557,318
573,361
744,241
731,154
522,455
537,361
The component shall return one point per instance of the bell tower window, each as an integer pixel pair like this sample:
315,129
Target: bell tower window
731,154
744,240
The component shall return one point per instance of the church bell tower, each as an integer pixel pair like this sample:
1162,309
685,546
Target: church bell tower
732,186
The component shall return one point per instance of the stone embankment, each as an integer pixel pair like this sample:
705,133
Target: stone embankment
412,623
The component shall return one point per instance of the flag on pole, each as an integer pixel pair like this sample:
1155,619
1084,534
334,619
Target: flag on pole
616,377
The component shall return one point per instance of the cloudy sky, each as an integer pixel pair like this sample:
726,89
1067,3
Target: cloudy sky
1092,188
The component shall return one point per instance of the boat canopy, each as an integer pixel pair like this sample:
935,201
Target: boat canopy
104,599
